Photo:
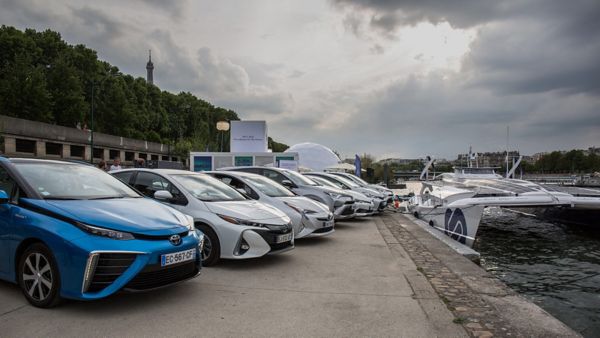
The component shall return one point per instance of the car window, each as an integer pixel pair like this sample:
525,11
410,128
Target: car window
274,175
299,179
238,184
6,183
125,176
149,183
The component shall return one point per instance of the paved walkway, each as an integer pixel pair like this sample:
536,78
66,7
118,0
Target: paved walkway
352,283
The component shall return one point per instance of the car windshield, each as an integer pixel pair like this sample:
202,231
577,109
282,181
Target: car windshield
299,179
269,187
208,189
346,181
355,178
325,182
67,181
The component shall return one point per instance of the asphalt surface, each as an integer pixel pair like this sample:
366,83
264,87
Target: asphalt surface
347,284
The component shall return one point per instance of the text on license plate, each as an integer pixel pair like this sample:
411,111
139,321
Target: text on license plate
283,238
177,257
327,224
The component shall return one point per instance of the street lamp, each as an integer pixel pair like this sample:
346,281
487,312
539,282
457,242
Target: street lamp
92,122
222,126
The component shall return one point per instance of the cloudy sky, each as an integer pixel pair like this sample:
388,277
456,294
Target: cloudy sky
402,78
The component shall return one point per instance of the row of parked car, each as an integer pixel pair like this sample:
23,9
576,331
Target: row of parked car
69,230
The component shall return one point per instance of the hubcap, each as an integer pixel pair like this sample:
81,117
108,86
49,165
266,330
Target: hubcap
207,248
37,276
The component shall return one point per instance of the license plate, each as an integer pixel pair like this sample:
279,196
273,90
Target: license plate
327,224
177,257
283,238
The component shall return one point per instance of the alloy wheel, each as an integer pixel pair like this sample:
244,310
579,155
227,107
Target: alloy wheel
207,249
37,276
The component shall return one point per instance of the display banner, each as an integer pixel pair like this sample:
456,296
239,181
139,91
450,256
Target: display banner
249,136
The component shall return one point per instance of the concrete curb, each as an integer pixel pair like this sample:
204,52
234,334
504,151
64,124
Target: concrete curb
482,304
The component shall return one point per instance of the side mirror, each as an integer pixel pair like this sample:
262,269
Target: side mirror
163,195
3,197
287,183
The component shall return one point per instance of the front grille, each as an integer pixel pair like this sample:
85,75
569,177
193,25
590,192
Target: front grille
155,276
160,237
280,246
348,211
362,211
322,230
110,266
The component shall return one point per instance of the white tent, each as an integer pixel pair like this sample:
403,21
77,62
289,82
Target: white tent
314,156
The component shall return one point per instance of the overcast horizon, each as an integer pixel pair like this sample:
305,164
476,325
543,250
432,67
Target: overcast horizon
388,78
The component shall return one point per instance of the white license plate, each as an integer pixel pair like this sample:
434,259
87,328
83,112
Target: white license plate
177,257
327,224
283,238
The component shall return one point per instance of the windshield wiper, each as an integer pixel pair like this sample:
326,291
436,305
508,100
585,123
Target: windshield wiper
107,197
61,198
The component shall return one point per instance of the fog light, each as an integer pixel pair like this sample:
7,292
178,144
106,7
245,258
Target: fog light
90,268
244,247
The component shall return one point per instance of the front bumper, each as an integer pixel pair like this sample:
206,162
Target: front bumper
317,225
257,242
99,267
364,208
344,211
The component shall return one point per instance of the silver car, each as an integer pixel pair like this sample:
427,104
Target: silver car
309,217
339,203
363,205
379,199
388,192
234,227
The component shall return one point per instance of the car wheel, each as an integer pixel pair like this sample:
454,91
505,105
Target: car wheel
211,253
38,276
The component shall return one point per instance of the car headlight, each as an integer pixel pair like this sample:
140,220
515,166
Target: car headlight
189,223
97,231
234,220
301,211
333,195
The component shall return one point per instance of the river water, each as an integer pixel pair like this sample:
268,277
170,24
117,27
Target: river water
555,265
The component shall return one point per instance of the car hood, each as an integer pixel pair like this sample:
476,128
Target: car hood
332,190
305,203
249,210
358,196
134,215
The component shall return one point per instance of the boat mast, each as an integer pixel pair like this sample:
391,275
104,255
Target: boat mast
507,134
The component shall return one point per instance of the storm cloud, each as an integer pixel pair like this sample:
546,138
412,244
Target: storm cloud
392,78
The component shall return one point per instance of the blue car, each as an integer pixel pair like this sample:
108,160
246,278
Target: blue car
69,230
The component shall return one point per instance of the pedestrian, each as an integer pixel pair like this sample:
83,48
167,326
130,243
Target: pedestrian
116,164
102,165
139,163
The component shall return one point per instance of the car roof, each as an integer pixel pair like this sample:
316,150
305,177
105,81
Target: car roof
158,171
37,160
254,167
233,173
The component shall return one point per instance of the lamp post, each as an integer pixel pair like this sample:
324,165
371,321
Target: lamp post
222,126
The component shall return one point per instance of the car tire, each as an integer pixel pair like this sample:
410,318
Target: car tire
38,276
211,254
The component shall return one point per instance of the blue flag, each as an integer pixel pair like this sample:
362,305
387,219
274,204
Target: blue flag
357,166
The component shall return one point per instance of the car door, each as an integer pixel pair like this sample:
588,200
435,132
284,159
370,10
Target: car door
8,185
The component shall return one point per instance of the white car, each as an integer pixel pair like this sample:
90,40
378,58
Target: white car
309,217
234,227
387,192
378,198
363,205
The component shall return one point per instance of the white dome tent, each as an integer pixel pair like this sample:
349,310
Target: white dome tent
314,156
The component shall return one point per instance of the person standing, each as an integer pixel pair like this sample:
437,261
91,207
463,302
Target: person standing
102,165
116,164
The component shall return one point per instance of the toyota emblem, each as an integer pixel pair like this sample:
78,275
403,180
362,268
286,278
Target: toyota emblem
175,239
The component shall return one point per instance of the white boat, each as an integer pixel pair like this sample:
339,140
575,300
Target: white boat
454,202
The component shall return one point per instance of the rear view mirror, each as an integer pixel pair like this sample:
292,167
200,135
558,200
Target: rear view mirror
163,195
3,197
